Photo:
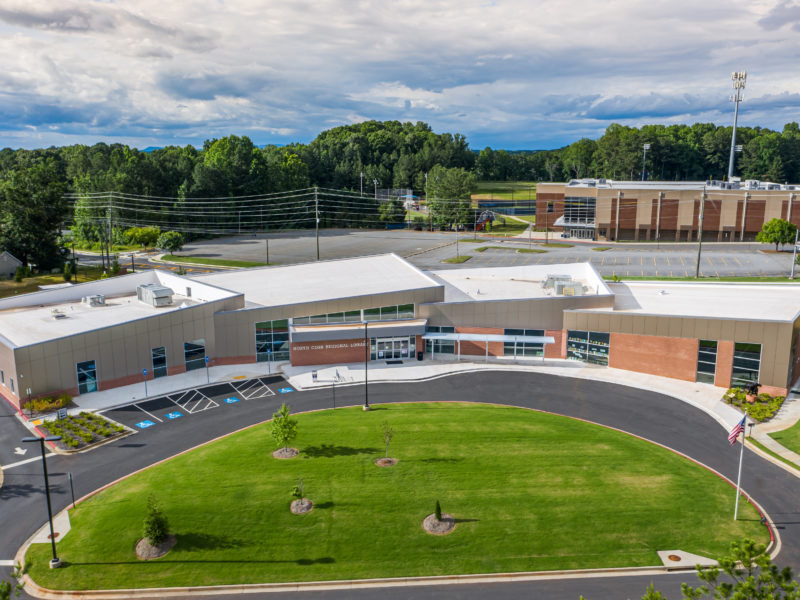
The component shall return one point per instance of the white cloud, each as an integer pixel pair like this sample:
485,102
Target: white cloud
513,73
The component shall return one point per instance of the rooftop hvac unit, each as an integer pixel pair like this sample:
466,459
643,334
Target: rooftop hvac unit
154,294
569,289
551,280
94,300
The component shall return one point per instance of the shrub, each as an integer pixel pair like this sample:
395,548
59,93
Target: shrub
115,268
67,271
156,526
19,274
765,406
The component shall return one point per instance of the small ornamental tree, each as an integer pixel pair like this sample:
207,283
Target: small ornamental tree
67,271
297,490
388,434
156,526
437,512
750,574
776,231
284,427
170,241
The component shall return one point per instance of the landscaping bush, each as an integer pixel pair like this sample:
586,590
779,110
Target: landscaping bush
763,408
48,403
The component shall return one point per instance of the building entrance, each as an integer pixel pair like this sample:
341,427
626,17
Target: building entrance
392,348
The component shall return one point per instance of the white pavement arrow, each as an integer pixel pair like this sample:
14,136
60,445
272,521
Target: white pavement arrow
20,451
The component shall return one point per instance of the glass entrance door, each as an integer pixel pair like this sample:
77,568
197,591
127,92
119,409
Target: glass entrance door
393,348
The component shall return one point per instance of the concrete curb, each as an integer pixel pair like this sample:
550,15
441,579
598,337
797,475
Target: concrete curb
347,584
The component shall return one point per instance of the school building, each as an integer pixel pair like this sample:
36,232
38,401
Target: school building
113,332
602,209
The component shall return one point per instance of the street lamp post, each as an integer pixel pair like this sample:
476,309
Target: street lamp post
366,366
55,562
646,147
375,183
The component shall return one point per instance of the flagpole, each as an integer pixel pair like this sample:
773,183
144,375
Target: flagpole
739,478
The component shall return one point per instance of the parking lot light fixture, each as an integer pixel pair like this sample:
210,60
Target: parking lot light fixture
55,562
366,366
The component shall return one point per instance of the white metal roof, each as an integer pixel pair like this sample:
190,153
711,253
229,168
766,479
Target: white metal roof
324,280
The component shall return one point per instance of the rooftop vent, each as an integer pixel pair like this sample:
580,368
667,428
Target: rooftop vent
58,314
154,294
94,300
551,280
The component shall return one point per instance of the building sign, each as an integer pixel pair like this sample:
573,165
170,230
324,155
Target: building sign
317,346
327,352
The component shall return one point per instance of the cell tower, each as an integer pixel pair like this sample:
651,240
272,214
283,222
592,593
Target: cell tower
739,79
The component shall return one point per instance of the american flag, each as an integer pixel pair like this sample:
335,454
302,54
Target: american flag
736,431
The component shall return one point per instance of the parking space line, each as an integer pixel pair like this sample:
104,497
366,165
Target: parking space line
149,414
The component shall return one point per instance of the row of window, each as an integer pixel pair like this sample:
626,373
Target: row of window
381,313
523,348
588,346
579,209
272,340
746,363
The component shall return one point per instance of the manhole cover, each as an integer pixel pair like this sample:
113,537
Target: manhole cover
674,558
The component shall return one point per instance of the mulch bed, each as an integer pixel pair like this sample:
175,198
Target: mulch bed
386,462
285,453
443,527
146,551
301,506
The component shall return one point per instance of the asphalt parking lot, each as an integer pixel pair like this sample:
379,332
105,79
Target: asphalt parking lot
180,406
429,250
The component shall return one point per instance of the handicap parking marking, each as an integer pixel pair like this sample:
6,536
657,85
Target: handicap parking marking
149,414
285,390
193,401
145,424
252,389
174,415
231,400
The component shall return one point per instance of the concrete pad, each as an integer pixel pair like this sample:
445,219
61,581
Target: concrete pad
678,559
61,527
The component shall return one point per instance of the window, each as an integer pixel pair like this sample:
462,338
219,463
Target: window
272,340
706,361
87,377
517,348
746,364
194,354
579,210
159,356
440,346
382,313
588,346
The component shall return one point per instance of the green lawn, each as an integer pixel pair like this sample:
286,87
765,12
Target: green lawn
462,258
9,287
511,249
763,448
507,190
510,226
217,262
788,438
530,491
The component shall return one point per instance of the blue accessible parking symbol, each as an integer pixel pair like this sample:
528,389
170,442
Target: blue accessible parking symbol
285,390
145,424
231,400
174,415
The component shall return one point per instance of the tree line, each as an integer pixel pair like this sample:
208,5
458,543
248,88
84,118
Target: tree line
153,187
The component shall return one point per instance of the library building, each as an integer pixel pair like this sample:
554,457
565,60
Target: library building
113,332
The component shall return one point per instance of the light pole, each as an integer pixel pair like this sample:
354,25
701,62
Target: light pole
375,183
739,80
366,366
646,147
362,182
55,562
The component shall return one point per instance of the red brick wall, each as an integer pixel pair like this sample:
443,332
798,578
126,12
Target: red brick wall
176,370
664,356
559,348
326,353
724,363
479,348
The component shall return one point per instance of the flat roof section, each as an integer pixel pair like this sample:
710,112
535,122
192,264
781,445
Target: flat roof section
324,280
757,302
28,325
515,283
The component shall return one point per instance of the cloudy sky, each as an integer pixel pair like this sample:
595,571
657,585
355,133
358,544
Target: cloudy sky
516,74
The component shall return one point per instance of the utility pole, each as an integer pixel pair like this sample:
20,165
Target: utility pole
110,230
700,231
316,220
739,79
362,183
644,156
266,241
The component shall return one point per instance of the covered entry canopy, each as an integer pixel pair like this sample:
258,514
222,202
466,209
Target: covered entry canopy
490,337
